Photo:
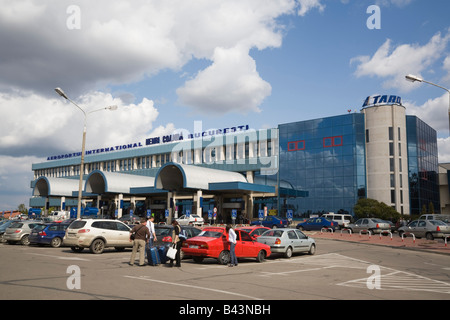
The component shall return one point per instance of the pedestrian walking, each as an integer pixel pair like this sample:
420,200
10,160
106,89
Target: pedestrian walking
177,241
140,236
232,241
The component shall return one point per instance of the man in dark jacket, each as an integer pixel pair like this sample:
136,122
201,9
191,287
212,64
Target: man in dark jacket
141,237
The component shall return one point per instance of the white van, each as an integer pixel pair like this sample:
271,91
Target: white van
342,219
443,217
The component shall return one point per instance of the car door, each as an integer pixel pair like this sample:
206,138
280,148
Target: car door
294,241
247,247
421,229
122,234
304,241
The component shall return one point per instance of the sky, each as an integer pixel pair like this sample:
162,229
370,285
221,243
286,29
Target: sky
171,64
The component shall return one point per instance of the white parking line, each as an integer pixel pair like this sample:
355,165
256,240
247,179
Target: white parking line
58,257
194,287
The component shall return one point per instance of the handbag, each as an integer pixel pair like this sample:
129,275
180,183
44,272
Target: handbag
171,252
133,235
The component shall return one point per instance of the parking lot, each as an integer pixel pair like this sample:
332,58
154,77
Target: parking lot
339,270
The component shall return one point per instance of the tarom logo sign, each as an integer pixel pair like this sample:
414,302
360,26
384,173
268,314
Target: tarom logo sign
382,100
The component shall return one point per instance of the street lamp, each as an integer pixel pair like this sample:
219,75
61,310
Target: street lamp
413,78
83,145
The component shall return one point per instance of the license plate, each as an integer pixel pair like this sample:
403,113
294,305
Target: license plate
193,246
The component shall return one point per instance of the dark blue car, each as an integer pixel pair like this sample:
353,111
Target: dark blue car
317,224
272,222
52,234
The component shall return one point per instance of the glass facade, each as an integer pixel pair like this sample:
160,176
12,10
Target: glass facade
326,158
423,166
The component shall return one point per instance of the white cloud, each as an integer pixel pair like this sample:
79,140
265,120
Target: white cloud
230,84
124,41
35,125
434,112
394,63
307,5
444,149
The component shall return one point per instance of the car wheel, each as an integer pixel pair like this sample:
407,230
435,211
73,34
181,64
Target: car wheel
97,246
429,236
56,242
288,253
400,233
76,249
224,257
312,250
261,256
274,226
25,240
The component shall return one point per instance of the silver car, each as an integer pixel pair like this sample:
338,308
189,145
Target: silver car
288,241
373,225
429,229
19,231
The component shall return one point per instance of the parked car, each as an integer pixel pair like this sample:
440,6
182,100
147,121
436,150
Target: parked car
97,234
343,220
164,235
288,241
373,225
429,229
5,225
212,243
254,231
51,234
193,220
318,224
19,231
272,222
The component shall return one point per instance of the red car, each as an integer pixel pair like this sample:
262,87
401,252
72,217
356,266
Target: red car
212,242
254,231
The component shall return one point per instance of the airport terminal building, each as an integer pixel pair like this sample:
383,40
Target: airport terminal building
308,166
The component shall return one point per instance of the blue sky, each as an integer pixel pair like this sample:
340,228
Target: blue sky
169,63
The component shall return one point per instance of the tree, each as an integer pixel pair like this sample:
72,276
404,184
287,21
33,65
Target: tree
371,208
22,209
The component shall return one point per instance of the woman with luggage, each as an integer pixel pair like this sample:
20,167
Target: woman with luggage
177,241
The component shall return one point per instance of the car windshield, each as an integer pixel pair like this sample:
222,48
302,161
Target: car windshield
77,224
209,233
272,233
378,221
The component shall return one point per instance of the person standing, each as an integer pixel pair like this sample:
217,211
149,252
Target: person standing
232,241
177,241
151,228
141,238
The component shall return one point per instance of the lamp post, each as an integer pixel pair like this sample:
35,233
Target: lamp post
413,78
83,144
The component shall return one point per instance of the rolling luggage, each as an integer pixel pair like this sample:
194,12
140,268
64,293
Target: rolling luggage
153,256
162,254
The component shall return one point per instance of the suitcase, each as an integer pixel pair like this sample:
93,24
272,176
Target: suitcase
153,256
162,251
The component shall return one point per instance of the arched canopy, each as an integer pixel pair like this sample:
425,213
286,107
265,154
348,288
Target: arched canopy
46,186
174,176
100,182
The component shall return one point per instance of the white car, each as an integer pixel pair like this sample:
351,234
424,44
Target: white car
97,234
193,219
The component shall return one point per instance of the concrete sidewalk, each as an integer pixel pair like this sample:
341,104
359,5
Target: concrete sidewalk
435,246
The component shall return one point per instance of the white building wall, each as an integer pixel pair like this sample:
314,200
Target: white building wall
386,156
